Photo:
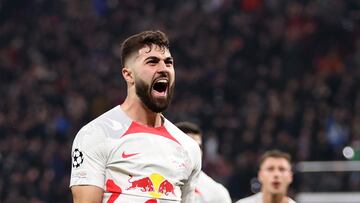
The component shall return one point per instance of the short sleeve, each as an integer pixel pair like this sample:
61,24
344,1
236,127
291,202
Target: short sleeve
89,157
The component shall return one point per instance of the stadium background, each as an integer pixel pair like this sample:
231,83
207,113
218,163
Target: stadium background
255,74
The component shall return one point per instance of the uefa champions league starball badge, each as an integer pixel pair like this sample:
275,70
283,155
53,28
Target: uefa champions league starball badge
78,158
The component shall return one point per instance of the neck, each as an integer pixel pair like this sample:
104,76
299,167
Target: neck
274,198
138,112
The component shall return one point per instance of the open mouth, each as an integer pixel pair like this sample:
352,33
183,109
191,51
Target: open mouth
276,184
160,87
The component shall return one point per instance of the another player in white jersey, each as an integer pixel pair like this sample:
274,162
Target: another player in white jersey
207,189
132,154
275,176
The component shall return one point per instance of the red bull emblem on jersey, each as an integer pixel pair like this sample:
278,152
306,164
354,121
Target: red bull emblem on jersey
155,185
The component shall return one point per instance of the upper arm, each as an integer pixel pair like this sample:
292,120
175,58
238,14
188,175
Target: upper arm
188,191
87,194
89,156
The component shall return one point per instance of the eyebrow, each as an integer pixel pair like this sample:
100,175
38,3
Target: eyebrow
157,58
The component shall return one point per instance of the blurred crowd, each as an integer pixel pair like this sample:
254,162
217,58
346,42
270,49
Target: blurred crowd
254,74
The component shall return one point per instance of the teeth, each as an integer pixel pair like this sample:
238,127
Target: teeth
162,81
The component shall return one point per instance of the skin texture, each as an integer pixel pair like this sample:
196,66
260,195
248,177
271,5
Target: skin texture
87,194
142,104
275,176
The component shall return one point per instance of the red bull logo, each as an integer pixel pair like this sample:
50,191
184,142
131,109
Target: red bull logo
156,185
144,184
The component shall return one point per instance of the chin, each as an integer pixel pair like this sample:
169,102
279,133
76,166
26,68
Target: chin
277,192
158,106
162,102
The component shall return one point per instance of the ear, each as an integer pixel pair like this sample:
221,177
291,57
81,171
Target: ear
128,75
259,176
291,177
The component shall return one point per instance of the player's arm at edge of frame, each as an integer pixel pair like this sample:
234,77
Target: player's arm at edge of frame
189,190
87,194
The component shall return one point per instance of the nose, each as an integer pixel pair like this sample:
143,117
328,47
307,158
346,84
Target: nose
277,173
162,68
162,64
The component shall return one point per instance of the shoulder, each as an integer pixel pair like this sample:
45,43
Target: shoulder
256,198
187,142
89,135
110,124
179,135
189,145
210,186
208,181
291,200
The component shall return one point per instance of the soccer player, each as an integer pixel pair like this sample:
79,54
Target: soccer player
207,189
132,153
275,176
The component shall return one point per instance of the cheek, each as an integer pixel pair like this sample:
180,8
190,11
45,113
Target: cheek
263,178
172,73
286,179
144,76
173,76
289,179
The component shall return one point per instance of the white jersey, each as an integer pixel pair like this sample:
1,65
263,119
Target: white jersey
209,191
257,198
135,163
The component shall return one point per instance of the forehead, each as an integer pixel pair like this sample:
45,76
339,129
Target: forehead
277,162
153,50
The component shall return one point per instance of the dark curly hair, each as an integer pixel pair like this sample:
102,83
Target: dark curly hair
138,41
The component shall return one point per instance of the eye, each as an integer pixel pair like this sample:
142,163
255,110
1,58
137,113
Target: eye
152,62
282,169
169,62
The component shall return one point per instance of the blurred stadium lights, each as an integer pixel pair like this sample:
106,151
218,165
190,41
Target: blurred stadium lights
327,166
348,152
326,197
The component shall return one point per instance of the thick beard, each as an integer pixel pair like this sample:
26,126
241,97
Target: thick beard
143,91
